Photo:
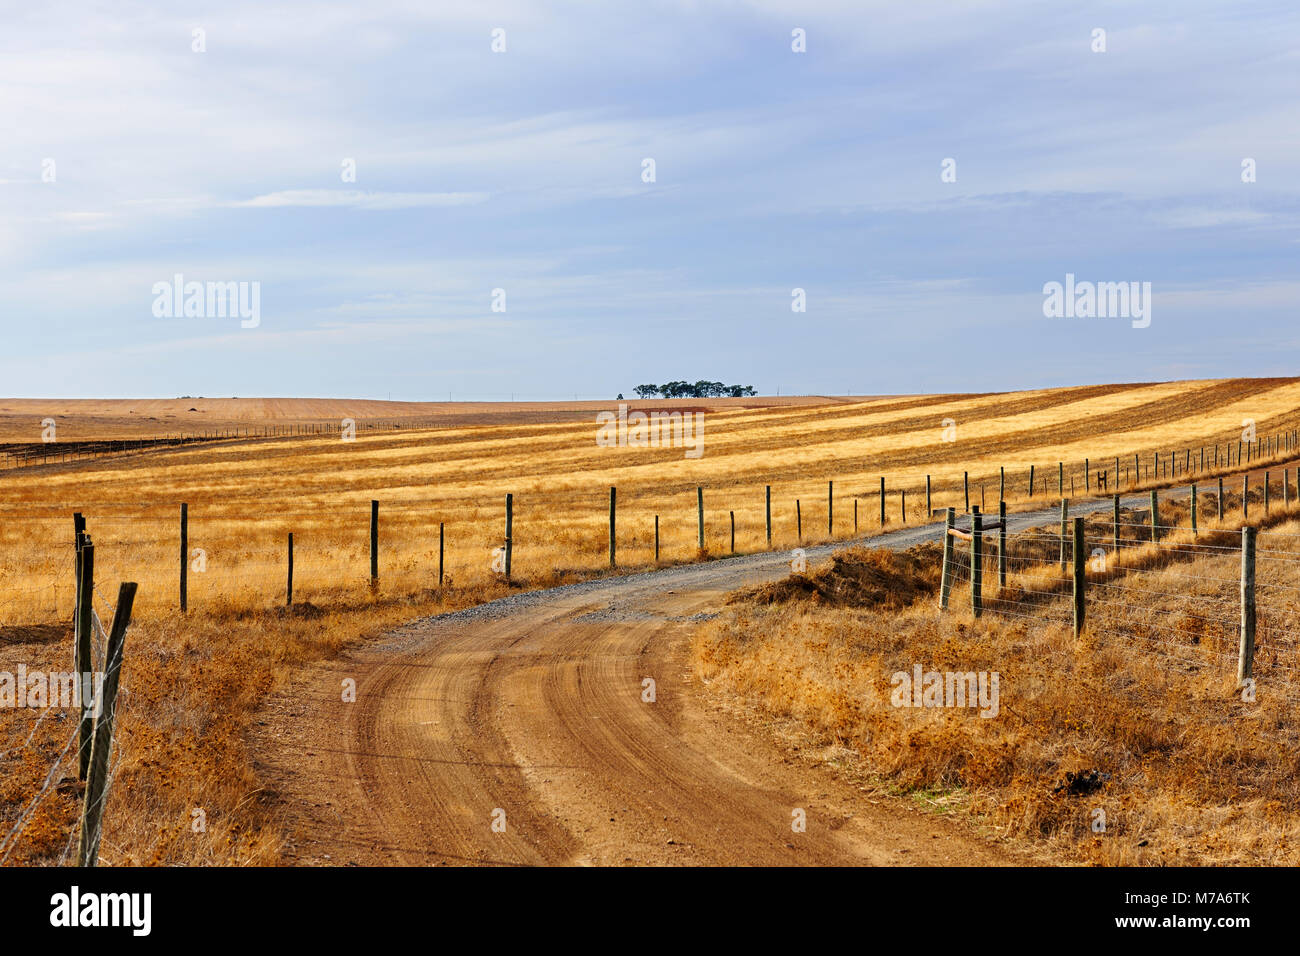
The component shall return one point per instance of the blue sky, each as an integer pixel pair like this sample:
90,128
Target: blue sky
521,170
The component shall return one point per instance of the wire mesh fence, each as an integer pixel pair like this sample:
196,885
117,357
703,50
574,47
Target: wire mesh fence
1201,600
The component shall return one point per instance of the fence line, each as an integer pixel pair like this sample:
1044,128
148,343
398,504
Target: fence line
1221,623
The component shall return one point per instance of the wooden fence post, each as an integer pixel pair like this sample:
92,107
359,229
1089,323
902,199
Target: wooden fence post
1060,479
1079,580
92,808
1245,489
798,520
288,593
768,508
1220,499
855,516
657,538
699,504
1065,517
374,545
1002,545
902,504
929,510
733,531
612,494
830,510
185,556
882,501
1266,492
1031,481
976,562
1002,485
83,663
1087,475
1115,532
945,577
1155,518
1193,510
965,487
510,532
442,541
1246,648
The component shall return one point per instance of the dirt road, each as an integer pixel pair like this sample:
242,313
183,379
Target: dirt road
530,713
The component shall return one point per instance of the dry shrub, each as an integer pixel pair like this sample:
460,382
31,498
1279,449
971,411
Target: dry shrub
856,577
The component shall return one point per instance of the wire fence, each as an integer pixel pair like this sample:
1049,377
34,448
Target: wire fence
1193,600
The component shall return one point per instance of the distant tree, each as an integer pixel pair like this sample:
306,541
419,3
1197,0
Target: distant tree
620,397
700,389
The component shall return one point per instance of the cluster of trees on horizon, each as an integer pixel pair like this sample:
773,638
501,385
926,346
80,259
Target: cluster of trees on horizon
700,389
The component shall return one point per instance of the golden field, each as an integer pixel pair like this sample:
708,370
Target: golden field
193,682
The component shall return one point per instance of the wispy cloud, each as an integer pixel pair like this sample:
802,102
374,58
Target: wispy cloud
356,199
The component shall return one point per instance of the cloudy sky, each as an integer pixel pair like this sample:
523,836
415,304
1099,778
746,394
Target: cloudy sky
522,170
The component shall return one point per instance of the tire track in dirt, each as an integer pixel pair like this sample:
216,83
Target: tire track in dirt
532,705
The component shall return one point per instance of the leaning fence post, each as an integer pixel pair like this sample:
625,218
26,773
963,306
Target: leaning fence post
699,503
1002,545
945,577
976,561
1079,582
185,555
92,808
1246,650
84,665
1031,481
612,494
288,592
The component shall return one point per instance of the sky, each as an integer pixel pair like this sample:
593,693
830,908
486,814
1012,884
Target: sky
134,149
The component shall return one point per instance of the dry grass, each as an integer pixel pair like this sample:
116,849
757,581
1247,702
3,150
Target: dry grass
193,684
1140,719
